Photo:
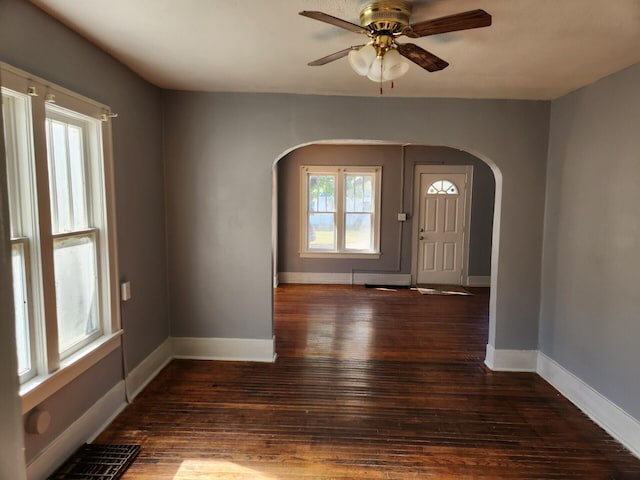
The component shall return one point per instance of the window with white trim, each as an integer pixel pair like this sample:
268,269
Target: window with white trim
61,200
340,211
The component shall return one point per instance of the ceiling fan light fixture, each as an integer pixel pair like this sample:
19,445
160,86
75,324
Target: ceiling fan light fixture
376,69
394,65
389,66
361,59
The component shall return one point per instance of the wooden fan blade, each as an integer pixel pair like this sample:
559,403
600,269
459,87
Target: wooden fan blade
333,56
420,56
338,22
451,23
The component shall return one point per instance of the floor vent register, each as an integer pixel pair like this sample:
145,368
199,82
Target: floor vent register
97,462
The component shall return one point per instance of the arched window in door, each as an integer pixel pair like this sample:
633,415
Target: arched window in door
442,187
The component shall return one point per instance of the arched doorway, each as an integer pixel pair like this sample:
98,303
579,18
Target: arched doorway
398,162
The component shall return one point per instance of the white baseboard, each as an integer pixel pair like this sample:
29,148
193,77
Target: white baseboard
511,360
233,349
83,430
618,423
614,420
314,277
391,279
479,281
146,370
399,279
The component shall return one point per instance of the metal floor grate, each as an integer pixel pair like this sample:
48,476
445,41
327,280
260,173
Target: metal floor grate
97,462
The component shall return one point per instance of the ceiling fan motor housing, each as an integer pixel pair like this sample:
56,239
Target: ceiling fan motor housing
390,17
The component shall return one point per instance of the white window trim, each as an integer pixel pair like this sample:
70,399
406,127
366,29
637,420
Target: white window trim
339,172
22,198
37,390
54,373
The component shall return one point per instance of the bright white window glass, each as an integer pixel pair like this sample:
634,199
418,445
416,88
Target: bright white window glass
358,212
11,137
77,170
321,203
75,247
20,296
67,177
76,291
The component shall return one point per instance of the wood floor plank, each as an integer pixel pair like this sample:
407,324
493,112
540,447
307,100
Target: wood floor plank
369,384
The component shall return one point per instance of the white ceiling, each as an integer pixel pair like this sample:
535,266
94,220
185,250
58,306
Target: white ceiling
535,49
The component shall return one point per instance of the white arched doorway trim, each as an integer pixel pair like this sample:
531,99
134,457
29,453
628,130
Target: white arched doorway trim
495,246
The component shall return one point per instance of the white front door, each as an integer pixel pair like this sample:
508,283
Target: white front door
441,198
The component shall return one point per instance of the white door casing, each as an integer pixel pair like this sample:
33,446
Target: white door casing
440,226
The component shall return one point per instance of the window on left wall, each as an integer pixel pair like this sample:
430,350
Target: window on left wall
61,219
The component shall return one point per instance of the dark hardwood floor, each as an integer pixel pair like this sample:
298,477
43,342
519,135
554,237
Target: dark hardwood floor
369,384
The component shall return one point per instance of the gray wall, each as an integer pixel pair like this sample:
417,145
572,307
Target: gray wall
32,41
589,314
220,149
394,259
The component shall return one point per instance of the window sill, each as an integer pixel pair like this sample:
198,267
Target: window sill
369,256
40,388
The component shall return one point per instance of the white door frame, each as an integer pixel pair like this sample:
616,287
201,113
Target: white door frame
441,169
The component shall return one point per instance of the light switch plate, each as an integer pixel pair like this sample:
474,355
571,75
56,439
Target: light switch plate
125,291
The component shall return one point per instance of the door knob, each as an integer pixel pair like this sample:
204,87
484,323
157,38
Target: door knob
421,237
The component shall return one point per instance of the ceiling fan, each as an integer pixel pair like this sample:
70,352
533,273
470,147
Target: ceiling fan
383,58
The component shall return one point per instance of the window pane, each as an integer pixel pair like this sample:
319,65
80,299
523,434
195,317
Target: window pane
76,290
67,177
10,134
349,193
442,187
358,193
23,342
358,233
76,164
322,193
58,177
322,231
